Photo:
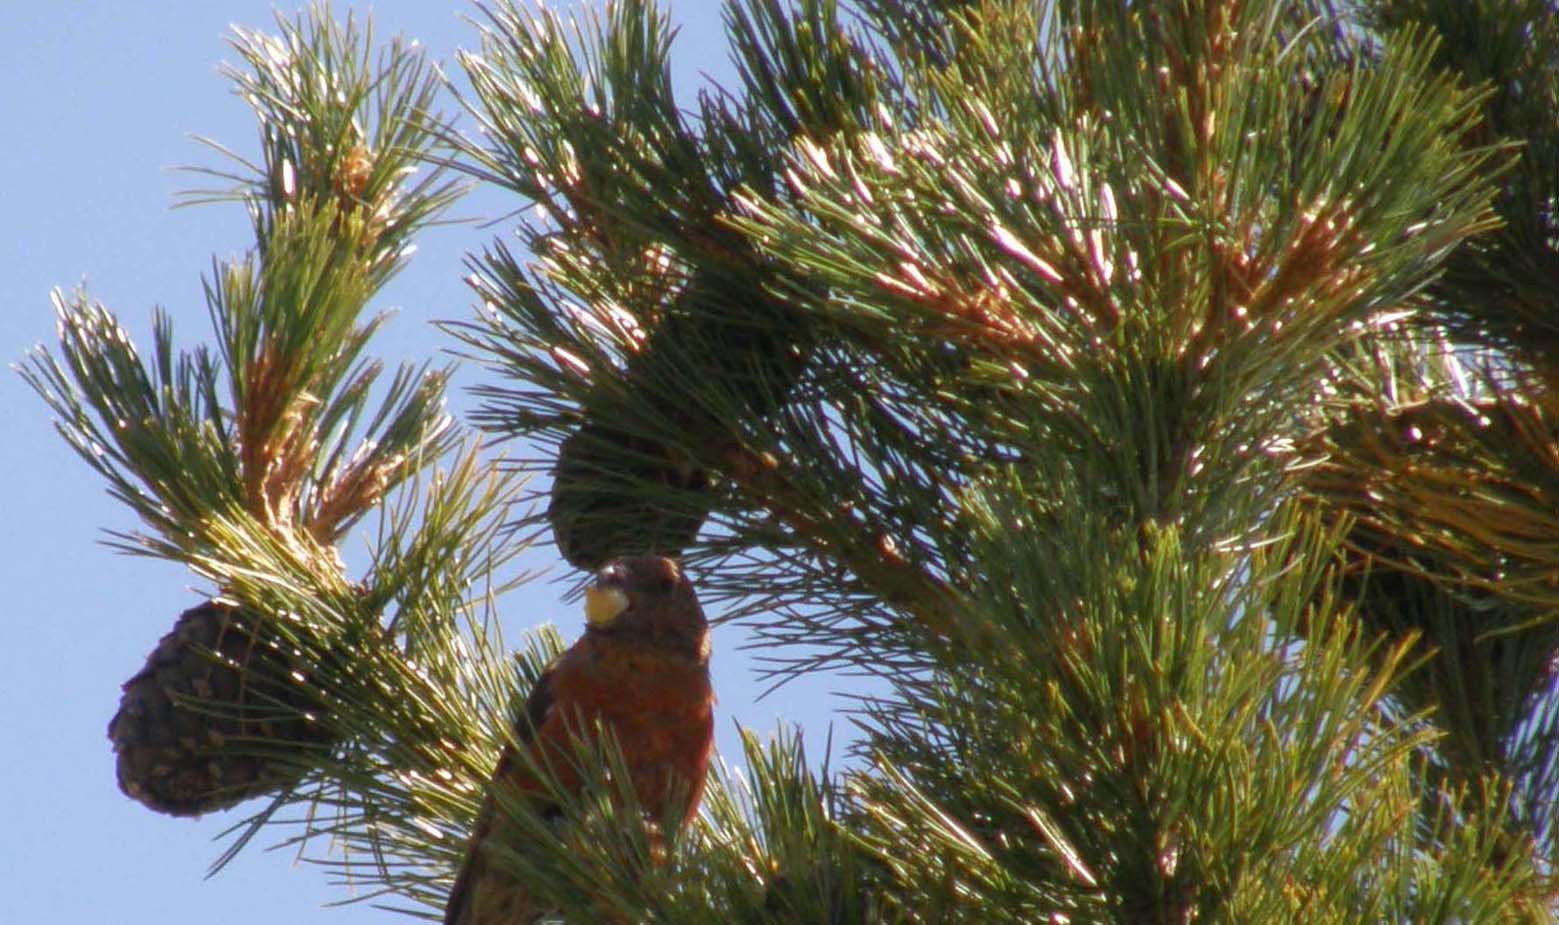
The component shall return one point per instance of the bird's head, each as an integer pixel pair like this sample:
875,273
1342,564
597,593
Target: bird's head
650,598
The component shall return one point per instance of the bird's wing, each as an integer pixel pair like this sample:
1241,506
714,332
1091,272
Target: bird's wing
538,706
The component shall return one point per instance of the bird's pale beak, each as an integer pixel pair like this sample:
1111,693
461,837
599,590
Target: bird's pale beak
604,604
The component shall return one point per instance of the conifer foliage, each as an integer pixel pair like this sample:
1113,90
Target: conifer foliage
1158,397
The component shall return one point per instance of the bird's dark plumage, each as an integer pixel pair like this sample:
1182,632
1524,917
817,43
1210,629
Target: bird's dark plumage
642,670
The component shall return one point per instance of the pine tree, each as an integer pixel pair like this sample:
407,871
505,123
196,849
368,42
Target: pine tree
1158,397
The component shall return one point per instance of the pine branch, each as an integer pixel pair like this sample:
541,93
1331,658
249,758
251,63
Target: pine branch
1439,465
1023,356
1500,288
411,676
294,439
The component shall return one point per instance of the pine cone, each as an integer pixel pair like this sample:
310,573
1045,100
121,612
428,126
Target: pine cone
617,494
600,510
188,723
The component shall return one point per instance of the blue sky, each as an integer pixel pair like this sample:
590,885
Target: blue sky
99,101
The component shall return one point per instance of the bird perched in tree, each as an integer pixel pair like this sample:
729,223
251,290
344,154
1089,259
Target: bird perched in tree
641,670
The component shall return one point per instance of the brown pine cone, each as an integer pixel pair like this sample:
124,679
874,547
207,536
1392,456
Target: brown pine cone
616,493
220,713
599,509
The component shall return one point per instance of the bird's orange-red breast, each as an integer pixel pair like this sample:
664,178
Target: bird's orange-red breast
642,670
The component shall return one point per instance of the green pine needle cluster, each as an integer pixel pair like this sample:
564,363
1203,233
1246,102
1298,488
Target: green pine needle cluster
1158,397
